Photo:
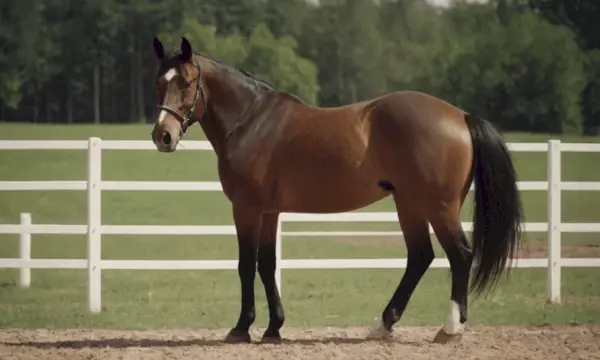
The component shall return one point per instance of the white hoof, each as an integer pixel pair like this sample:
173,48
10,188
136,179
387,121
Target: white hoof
379,332
452,326
452,331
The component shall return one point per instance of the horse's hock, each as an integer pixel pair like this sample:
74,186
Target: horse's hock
543,342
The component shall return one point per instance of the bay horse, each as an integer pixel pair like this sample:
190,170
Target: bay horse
276,153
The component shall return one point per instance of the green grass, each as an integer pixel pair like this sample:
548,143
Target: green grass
150,299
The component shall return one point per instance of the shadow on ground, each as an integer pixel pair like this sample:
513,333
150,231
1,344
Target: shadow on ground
120,343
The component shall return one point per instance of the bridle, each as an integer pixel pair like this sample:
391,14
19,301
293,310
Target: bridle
186,121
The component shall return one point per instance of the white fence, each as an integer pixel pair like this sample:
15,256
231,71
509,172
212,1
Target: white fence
94,227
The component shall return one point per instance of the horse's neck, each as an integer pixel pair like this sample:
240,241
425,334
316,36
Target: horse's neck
229,103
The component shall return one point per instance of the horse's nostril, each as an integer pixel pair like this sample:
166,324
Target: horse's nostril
166,138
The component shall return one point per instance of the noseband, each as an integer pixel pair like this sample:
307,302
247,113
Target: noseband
186,121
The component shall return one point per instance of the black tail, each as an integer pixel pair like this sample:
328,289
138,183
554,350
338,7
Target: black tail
498,210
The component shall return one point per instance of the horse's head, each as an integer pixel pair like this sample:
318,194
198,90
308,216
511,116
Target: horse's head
180,95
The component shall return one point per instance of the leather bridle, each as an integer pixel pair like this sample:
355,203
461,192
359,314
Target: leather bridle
186,121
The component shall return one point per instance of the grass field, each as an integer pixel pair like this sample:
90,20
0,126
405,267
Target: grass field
154,299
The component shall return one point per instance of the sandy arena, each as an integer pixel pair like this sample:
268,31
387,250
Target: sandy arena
498,343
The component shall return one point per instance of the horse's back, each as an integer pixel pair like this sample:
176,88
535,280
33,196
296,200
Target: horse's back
415,115
418,106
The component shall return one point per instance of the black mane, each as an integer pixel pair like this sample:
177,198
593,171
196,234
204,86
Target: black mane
247,75
172,59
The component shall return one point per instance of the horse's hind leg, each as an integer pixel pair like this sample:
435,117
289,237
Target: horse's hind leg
420,255
448,229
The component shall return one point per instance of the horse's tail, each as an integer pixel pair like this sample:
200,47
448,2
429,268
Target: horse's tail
498,210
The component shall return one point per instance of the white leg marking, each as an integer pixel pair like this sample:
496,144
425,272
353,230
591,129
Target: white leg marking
378,331
452,325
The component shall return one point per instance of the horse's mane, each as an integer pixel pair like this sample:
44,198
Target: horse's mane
256,82
242,71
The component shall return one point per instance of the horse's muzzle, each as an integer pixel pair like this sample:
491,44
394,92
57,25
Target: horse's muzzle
165,139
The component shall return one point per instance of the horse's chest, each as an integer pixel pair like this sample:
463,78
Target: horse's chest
240,178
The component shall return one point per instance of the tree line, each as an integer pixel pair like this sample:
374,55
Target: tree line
527,65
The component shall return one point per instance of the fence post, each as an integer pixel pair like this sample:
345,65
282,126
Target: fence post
25,251
554,221
94,222
278,255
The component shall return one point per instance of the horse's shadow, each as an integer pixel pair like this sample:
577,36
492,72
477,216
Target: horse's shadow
8,284
121,343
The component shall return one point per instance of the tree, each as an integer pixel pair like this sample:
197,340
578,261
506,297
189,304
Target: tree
591,95
422,42
344,40
581,16
92,60
287,17
271,59
526,75
19,56
275,60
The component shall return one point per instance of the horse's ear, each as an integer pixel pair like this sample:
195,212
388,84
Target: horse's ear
186,50
159,50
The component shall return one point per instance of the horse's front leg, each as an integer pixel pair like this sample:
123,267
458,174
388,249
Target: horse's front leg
267,261
248,222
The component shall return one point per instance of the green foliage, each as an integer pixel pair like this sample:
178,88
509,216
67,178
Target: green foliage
92,60
581,16
516,75
591,95
18,40
267,57
275,60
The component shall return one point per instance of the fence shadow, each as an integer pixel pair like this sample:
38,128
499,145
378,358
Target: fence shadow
123,343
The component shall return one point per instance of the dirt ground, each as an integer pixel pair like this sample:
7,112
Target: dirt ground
498,343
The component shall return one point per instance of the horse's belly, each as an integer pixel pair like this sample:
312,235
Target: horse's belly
324,192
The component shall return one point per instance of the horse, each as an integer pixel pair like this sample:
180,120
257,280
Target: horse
277,153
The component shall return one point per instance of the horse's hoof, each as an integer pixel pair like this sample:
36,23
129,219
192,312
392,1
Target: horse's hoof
379,332
443,338
237,337
271,337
